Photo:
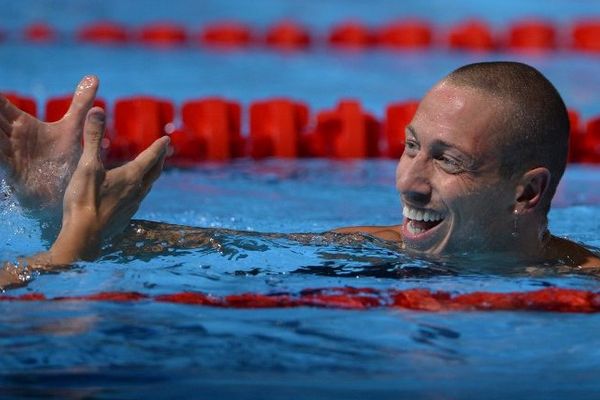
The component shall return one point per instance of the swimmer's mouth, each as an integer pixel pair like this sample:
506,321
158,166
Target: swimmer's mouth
420,221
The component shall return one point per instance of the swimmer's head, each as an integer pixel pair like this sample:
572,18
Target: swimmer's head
484,153
533,131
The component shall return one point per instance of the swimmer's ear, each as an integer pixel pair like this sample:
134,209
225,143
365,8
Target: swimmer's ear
531,189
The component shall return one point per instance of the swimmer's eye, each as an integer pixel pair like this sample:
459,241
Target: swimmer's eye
411,147
449,164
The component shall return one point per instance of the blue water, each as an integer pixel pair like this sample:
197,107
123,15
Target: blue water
104,350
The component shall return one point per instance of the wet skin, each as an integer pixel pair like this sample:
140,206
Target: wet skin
450,167
449,181
40,157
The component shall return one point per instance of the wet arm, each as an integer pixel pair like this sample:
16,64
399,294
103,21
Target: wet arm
68,248
155,237
389,233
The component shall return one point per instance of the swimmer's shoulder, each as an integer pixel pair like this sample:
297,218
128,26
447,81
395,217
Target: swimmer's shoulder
574,253
391,232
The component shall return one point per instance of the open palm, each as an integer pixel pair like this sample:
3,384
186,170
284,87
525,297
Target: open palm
40,157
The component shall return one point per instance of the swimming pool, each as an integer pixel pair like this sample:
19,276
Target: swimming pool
130,350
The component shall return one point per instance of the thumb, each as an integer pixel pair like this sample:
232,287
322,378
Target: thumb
93,132
84,95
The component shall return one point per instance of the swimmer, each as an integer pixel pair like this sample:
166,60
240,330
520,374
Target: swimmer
484,155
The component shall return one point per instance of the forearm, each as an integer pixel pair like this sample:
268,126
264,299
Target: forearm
79,240
76,241
18,274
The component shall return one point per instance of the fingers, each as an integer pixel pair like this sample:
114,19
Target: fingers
154,172
152,156
93,132
84,96
8,110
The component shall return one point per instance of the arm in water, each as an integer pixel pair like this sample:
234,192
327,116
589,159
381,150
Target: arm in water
97,203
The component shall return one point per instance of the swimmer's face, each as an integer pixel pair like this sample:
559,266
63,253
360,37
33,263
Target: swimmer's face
454,198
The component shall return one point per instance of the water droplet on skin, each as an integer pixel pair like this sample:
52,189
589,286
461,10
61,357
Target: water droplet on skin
85,83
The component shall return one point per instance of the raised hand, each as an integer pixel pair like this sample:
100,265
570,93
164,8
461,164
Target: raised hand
40,157
100,203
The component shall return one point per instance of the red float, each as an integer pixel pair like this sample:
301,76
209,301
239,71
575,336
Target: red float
277,128
406,34
190,298
418,299
586,35
576,137
532,35
138,121
472,35
226,34
397,117
590,145
56,107
163,34
104,32
352,34
40,33
24,103
346,132
288,35
211,131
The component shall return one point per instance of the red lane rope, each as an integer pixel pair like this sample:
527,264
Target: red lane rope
548,299
530,35
211,129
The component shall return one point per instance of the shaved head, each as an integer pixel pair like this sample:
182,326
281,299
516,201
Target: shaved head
533,129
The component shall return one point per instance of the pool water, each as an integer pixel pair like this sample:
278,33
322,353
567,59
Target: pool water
158,350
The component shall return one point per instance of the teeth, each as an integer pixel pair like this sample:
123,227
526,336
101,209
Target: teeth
421,215
413,229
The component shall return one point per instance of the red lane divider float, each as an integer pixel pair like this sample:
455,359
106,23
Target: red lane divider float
40,33
352,34
533,34
104,32
406,34
586,35
288,35
397,117
589,146
277,129
229,34
138,121
548,299
471,35
210,129
56,107
346,132
163,34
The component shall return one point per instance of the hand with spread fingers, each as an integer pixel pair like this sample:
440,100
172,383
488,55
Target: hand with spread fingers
99,203
40,157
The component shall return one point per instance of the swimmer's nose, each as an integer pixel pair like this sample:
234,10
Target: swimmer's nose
413,180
